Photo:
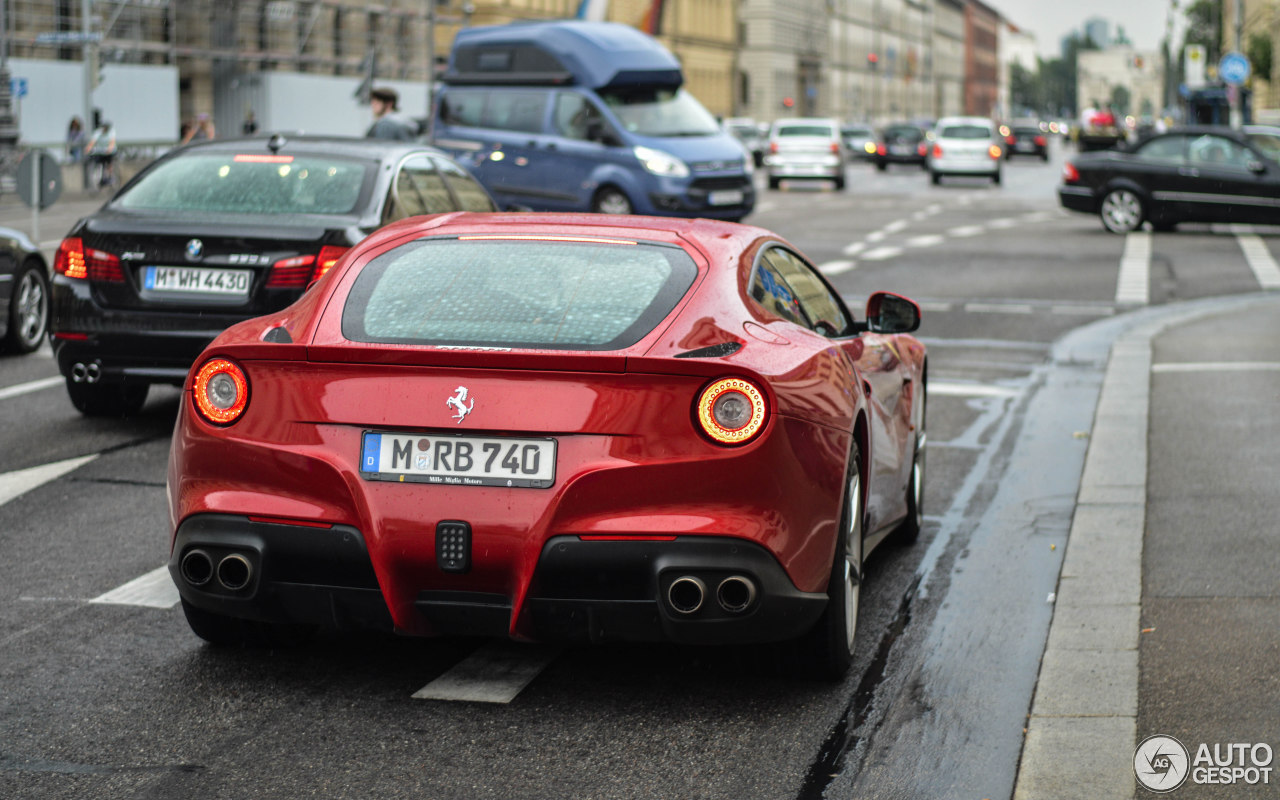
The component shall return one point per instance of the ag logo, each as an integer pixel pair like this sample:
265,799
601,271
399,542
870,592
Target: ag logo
1160,763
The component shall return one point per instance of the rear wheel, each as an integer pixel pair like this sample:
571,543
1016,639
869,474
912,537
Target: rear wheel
935,177
611,201
28,309
116,399
882,166
1121,211
827,649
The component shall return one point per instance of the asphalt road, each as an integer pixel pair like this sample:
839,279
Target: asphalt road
106,697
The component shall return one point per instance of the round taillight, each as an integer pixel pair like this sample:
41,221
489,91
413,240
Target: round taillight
994,151
221,391
731,410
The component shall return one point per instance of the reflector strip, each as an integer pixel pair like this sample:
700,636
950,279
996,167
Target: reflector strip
249,158
541,238
616,538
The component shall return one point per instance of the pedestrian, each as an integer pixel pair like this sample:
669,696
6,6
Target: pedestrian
250,126
102,152
202,130
75,141
388,123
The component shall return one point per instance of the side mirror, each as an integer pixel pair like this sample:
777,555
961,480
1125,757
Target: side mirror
1257,167
891,313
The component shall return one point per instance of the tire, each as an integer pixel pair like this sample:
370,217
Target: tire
611,201
935,178
839,182
995,179
115,399
93,174
774,183
28,309
882,166
1121,211
827,649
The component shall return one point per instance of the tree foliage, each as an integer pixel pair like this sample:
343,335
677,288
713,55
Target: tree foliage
1204,26
1259,53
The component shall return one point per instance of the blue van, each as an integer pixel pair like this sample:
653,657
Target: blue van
586,116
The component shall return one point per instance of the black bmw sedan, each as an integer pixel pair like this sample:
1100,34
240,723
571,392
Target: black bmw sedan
1194,174
218,232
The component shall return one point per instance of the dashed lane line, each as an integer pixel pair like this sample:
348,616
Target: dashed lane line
30,386
854,249
1217,366
495,673
928,240
966,231
999,308
836,267
153,590
882,253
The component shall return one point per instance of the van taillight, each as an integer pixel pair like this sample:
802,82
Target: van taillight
76,261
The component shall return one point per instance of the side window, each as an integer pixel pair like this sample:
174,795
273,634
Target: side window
1216,151
462,107
1166,150
574,115
821,307
515,110
771,291
470,194
417,189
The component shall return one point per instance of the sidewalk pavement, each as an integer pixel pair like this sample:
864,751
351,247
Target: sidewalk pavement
1168,603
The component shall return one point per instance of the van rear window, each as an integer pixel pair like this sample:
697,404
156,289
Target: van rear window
502,109
523,293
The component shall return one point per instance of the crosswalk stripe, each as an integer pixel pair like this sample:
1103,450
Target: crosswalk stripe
496,673
1133,285
1260,260
153,590
19,482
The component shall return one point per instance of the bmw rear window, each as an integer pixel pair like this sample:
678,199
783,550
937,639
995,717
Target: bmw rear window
251,183
521,293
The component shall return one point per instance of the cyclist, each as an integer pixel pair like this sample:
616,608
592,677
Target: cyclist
102,150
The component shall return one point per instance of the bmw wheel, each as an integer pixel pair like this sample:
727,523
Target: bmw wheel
1121,211
611,201
28,309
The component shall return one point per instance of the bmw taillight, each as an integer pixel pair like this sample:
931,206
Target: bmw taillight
76,261
291,273
731,411
1069,173
221,391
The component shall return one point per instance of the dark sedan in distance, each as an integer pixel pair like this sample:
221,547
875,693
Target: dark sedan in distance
1194,174
219,232
24,293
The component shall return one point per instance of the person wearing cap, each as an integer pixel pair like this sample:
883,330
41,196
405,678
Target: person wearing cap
388,123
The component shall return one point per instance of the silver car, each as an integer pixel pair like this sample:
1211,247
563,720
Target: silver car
805,147
966,146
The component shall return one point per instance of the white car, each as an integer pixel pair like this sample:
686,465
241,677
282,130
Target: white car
965,146
805,147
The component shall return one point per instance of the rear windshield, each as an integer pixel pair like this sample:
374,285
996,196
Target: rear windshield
541,294
904,134
1027,131
965,132
254,183
804,130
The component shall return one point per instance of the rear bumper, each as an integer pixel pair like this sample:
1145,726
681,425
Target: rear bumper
582,590
1078,198
984,166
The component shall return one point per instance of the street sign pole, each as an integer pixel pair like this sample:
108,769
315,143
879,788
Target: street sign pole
37,194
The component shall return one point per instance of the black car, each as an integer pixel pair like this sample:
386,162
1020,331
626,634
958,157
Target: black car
902,144
24,293
1025,140
218,232
1195,174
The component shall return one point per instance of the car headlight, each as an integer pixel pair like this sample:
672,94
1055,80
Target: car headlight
748,165
660,163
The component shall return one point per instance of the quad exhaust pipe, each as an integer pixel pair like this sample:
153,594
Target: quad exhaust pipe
86,373
688,593
233,572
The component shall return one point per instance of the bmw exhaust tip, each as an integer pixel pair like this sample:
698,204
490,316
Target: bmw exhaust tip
93,371
686,594
736,593
234,572
196,567
78,372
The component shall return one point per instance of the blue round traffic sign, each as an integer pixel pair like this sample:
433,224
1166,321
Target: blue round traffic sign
1234,68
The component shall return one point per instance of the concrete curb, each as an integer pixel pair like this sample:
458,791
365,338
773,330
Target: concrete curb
1082,730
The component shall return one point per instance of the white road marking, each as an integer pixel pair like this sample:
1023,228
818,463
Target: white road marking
19,482
929,240
1260,260
933,209
1002,223
32,386
881,253
854,249
836,267
1084,311
961,389
999,308
153,590
1134,282
894,227
1218,366
496,673
876,236
965,231
936,306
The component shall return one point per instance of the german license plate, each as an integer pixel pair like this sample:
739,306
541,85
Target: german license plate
725,197
458,460
197,280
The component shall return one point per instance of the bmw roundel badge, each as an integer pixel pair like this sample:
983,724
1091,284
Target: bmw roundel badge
195,249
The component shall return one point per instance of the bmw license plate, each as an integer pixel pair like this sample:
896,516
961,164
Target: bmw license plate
725,197
197,280
458,460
